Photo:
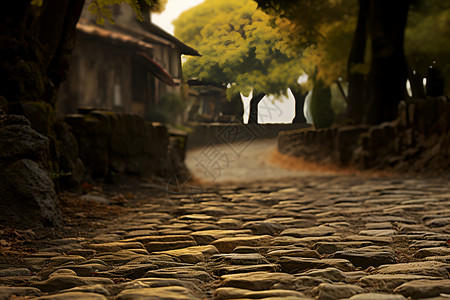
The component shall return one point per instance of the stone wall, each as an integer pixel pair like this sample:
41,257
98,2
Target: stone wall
418,140
219,133
27,196
113,143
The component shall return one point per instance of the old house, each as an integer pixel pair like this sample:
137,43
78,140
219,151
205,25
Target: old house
209,103
127,66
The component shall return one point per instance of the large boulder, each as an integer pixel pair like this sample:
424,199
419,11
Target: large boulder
27,197
20,141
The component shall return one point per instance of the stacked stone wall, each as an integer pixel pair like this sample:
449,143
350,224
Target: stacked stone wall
418,140
113,143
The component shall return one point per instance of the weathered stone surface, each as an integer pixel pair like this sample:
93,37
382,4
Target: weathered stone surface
95,288
130,271
120,257
192,255
26,193
438,222
376,296
426,268
15,272
382,240
331,247
249,265
185,273
116,246
8,292
159,293
197,217
327,291
259,281
86,270
245,249
424,288
258,227
152,282
240,258
331,274
432,251
63,259
387,282
308,282
297,264
366,259
20,141
74,296
227,245
238,269
59,283
225,293
309,232
86,253
206,237
62,272
162,246
273,255
378,232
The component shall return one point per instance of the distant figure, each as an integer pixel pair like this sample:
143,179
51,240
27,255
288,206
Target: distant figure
435,82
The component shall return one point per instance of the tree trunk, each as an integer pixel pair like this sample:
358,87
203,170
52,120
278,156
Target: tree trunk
299,104
36,44
321,111
356,99
388,70
253,115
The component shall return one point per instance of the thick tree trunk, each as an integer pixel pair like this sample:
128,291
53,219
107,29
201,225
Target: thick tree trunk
300,97
58,42
321,111
388,70
35,48
253,115
356,98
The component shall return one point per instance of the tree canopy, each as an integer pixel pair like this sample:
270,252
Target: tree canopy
241,46
102,8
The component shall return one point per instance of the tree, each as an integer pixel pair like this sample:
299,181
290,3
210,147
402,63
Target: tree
241,47
384,21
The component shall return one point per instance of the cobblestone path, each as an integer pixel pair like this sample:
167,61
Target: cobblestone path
315,237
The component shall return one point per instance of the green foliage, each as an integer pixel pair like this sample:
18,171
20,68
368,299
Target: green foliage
241,46
327,24
310,15
37,2
59,174
102,8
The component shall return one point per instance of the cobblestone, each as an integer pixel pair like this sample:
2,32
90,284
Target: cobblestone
316,237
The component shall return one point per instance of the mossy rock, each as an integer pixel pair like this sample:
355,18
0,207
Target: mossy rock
41,115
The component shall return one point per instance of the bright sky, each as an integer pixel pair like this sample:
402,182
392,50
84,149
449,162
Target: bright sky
269,111
173,9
